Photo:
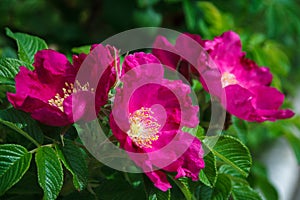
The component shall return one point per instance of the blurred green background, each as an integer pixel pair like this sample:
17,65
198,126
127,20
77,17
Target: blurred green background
269,29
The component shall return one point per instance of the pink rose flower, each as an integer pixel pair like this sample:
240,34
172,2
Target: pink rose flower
247,86
148,114
242,86
50,92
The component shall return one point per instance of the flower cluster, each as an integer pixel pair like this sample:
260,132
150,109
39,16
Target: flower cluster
242,86
147,112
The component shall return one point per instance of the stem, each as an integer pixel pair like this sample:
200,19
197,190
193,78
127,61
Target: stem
17,129
64,130
46,145
118,70
49,138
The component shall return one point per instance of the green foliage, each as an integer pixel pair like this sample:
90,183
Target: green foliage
82,49
24,122
222,190
295,143
15,161
261,181
244,192
74,160
27,45
209,174
230,151
9,67
50,172
241,128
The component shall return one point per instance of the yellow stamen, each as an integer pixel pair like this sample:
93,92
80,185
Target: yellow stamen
228,79
143,127
69,89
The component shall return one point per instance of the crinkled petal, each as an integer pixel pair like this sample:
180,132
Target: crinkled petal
137,59
225,50
49,63
159,179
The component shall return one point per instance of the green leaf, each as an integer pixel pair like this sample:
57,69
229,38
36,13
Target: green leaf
147,17
24,122
27,185
118,188
197,131
156,194
190,15
74,160
209,175
152,192
213,22
28,45
244,192
294,142
183,185
268,190
9,67
6,81
19,130
50,172
231,151
260,180
14,162
83,49
160,195
241,128
221,190
146,3
276,58
234,175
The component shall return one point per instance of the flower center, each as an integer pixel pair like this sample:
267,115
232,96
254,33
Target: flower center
58,99
143,127
228,79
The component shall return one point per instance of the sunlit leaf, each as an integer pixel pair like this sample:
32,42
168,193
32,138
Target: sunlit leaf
50,172
28,45
231,151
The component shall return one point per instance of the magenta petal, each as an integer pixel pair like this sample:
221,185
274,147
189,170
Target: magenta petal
267,98
49,63
239,101
78,60
225,50
153,138
191,161
80,106
137,59
159,179
165,52
273,115
188,48
28,83
51,94
51,116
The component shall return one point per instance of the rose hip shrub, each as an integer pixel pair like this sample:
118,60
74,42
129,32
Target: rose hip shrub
162,124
